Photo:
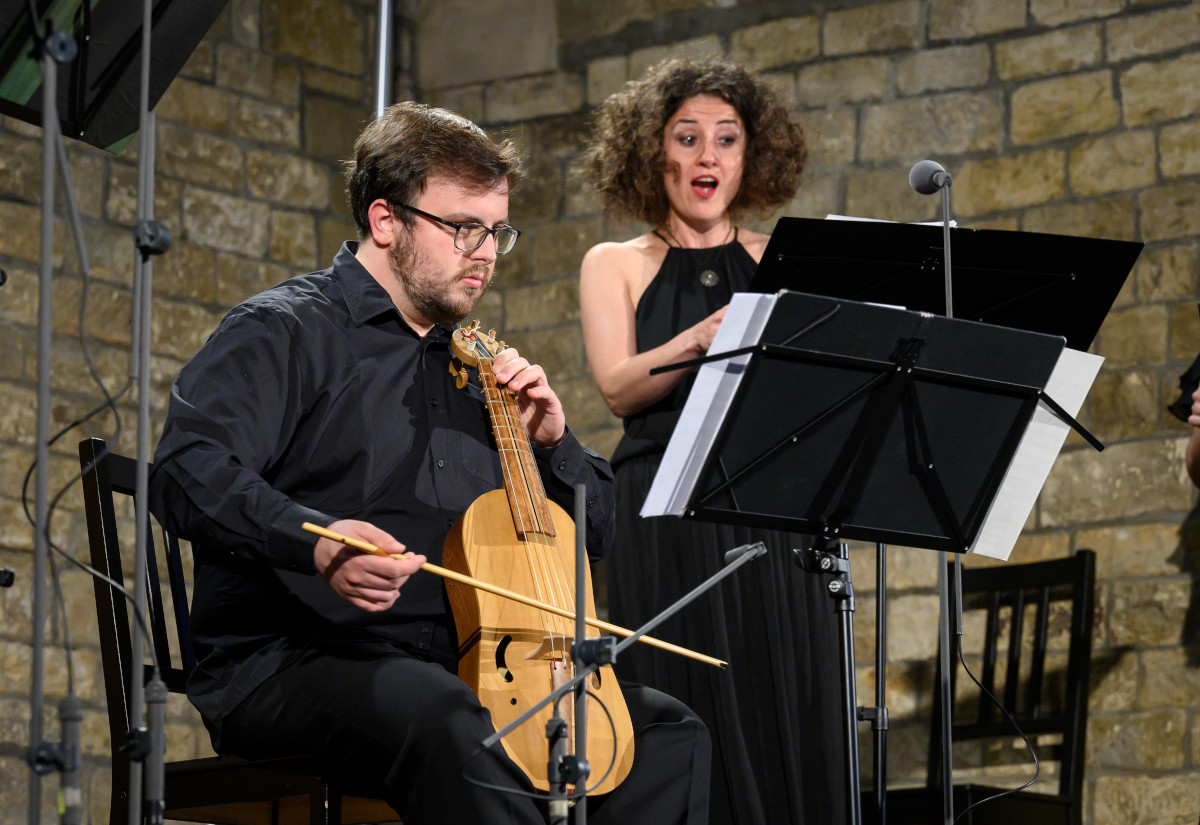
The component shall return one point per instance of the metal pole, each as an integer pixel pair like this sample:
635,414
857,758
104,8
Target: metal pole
581,697
880,725
41,548
943,584
383,68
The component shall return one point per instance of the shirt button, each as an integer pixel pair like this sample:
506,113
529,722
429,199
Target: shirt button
591,501
441,463
424,629
449,522
562,465
423,645
433,402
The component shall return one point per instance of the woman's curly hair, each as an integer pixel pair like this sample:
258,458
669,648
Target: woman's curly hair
625,162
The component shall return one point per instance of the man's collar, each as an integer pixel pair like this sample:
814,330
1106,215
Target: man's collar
366,299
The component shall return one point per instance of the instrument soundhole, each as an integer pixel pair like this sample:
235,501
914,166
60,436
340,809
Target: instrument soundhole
501,664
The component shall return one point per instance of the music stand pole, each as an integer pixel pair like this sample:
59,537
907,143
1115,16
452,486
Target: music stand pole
943,583
42,480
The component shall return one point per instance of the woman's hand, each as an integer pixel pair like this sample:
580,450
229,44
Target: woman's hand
541,411
706,330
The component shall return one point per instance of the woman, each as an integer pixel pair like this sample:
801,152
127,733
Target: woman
689,148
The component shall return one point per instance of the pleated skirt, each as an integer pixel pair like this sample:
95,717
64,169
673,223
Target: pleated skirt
775,714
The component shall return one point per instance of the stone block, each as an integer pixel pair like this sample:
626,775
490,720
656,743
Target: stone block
198,105
1107,218
1058,12
884,194
1184,333
1179,149
294,239
331,127
20,169
254,73
244,20
333,231
21,238
1148,612
1113,681
202,63
581,20
532,97
1168,273
288,180
179,329
918,613
1146,799
817,197
1161,90
541,193
1029,547
1008,182
1134,336
834,82
89,173
238,278
606,76
1063,106
265,122
1053,52
195,157
557,249
451,33
1129,479
779,42
579,198
541,305
965,19
873,28
109,310
559,351
937,70
1146,741
1127,550
1132,36
316,31
1170,211
562,137
1172,679
704,46
464,100
1113,163
226,222
338,84
945,124
585,408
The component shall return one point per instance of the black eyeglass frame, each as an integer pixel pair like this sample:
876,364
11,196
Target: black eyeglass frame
458,227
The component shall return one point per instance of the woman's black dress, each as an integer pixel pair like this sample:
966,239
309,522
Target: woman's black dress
775,714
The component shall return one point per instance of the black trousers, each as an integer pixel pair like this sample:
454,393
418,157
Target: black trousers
405,730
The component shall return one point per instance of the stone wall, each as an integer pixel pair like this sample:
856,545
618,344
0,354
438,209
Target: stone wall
1066,116
1072,116
250,139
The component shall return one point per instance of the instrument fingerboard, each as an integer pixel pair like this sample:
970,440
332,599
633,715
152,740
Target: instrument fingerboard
526,495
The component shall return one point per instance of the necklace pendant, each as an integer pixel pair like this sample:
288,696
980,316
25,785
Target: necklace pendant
710,278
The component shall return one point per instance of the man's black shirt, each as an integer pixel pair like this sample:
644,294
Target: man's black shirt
315,401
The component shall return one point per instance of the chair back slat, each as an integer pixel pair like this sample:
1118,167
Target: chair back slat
990,645
1016,630
1037,666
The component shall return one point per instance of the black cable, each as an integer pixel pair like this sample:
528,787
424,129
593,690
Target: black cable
530,795
1037,766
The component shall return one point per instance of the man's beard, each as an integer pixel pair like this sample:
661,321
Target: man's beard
434,296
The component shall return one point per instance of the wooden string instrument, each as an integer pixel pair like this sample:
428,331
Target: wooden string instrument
512,655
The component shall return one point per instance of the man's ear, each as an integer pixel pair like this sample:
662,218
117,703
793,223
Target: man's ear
383,223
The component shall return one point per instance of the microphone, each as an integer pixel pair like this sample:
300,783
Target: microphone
928,176
70,714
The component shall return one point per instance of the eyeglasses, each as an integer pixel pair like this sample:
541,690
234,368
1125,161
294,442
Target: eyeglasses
470,236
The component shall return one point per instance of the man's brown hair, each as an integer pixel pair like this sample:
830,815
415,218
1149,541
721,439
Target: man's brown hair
395,156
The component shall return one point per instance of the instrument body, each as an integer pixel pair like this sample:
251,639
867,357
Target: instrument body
511,654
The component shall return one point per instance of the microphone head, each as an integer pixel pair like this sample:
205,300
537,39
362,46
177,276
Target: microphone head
927,176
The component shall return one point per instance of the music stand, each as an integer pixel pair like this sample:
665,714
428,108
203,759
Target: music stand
903,432
1023,280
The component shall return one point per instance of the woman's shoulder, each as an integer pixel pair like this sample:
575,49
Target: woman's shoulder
629,256
755,243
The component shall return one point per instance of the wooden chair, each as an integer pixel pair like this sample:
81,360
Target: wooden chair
221,789
1007,595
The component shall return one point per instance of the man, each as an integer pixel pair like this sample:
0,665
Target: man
328,399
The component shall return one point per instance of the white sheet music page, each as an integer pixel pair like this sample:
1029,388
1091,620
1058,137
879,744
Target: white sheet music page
1069,384
707,404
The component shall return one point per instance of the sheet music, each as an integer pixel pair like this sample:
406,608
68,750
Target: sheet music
707,403
1069,383
833,217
